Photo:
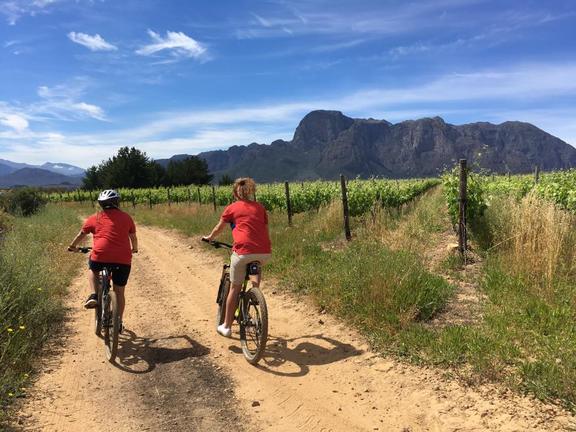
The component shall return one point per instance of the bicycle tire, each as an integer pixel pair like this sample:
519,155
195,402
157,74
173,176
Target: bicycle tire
112,327
253,325
98,313
221,314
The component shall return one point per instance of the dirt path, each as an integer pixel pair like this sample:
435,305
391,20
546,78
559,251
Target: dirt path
175,372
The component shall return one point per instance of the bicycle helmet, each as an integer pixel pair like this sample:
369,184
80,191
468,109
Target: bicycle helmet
109,198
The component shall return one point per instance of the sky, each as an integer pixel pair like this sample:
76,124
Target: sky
81,78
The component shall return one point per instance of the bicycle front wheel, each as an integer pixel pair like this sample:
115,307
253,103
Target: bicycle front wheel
98,314
111,327
253,325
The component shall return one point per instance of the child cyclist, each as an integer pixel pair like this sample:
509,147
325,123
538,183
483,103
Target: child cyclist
249,223
114,242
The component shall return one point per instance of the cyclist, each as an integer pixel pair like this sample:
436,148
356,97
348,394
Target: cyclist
249,223
114,242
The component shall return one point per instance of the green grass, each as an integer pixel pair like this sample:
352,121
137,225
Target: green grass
34,274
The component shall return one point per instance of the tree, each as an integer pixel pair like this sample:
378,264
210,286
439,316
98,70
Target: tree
92,180
191,170
225,180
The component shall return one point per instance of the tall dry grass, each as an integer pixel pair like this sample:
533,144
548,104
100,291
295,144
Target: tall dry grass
536,240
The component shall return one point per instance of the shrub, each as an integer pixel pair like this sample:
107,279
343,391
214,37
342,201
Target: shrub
22,202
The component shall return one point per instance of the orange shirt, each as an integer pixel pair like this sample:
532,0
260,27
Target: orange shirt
249,227
110,229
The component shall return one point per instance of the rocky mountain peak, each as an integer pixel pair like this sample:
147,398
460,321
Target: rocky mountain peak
320,127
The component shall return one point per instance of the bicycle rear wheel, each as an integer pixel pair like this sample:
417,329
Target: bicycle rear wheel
253,325
111,327
222,297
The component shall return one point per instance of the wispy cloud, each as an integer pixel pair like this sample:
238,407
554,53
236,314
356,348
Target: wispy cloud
177,44
13,10
15,122
93,43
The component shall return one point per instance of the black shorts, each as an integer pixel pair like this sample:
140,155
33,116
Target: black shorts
120,272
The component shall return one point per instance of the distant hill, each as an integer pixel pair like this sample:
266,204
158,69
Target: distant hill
327,143
37,177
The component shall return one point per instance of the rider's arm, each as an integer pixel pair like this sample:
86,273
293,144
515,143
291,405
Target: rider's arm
134,241
216,230
81,236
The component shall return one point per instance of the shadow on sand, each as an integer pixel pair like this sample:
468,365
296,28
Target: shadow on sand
311,350
140,355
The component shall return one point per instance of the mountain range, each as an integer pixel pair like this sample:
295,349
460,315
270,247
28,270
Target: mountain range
328,143
48,174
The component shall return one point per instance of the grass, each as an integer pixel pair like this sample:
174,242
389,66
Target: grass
34,273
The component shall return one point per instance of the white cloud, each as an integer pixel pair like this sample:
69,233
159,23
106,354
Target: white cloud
14,121
177,43
93,43
13,10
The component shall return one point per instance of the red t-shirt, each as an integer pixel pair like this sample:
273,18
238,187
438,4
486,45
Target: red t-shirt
249,227
110,229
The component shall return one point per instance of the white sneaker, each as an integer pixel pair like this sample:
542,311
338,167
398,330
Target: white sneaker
226,332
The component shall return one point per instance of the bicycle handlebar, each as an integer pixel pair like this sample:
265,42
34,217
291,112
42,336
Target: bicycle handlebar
81,249
217,244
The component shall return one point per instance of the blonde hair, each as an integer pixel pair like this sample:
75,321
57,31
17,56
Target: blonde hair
244,189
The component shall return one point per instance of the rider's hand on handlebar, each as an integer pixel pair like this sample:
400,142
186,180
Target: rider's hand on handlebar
207,238
134,251
72,248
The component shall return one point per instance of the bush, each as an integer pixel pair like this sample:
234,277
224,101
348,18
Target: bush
22,202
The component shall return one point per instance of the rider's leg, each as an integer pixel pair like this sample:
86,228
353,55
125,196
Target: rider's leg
119,290
255,280
231,304
93,280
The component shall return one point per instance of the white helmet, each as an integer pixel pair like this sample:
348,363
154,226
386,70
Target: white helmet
108,194
109,198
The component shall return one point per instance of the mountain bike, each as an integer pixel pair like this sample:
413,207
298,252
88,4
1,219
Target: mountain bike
252,313
106,317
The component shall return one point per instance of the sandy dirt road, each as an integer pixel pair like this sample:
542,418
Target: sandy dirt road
175,373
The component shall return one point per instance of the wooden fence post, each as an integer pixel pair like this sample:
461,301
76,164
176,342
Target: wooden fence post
345,208
150,199
214,197
536,174
462,203
133,200
169,203
288,204
199,198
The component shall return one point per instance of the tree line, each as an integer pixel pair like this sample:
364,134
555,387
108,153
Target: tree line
132,168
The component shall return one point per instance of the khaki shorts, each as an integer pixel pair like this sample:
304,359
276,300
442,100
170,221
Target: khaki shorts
238,264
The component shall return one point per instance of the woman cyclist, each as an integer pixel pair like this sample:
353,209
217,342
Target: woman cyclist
114,242
249,223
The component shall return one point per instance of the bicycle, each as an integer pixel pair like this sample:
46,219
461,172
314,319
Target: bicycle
106,317
252,312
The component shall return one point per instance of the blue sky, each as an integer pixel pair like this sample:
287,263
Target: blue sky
80,78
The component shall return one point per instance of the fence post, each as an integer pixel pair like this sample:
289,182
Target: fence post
536,174
133,200
462,202
189,197
214,197
345,207
168,191
150,199
288,204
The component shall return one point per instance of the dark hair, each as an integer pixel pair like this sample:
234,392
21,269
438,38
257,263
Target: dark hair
109,203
